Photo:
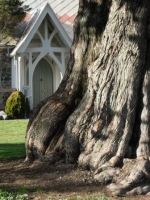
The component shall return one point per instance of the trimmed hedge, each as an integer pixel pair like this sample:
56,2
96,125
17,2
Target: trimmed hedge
17,106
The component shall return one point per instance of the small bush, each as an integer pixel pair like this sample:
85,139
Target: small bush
17,106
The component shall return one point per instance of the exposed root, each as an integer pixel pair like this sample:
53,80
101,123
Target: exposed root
108,171
107,175
126,180
132,173
115,161
145,190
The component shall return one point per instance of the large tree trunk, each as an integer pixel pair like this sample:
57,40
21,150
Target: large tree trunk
99,116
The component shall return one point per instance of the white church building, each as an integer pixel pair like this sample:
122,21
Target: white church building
39,58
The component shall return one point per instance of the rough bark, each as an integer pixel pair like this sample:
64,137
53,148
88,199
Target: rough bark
99,116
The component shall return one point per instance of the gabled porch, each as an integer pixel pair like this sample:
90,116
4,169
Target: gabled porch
39,61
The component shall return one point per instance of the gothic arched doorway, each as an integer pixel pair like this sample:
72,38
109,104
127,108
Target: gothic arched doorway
42,81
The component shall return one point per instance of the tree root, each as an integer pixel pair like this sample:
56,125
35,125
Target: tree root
131,179
107,176
143,189
106,173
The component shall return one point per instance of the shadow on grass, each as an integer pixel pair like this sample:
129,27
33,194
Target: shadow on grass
11,151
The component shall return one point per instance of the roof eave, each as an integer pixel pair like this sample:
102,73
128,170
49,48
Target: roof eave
20,48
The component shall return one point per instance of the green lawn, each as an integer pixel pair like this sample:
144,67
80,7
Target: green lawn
12,138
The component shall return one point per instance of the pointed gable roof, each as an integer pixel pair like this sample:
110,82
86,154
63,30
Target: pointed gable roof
65,10
37,16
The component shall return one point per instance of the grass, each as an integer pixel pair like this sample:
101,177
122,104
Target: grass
12,138
5,195
12,145
9,195
90,198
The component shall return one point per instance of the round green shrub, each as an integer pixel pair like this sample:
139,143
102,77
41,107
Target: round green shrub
17,106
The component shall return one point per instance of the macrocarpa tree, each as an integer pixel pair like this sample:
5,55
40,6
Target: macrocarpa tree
100,115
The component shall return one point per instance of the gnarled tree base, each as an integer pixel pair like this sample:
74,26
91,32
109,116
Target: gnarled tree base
99,117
